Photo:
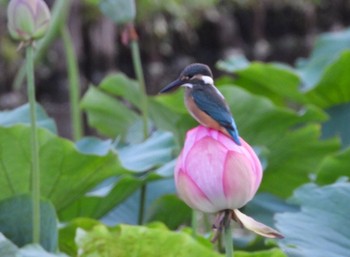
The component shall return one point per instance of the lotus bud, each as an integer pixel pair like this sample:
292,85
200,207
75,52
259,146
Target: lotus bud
213,173
28,20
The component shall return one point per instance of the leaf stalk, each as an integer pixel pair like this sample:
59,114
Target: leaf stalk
35,166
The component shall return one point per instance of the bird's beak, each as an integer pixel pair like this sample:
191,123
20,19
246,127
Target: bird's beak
172,86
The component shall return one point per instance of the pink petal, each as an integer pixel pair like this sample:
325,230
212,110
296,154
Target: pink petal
237,180
179,165
191,194
190,140
205,164
229,143
214,133
255,160
217,169
192,136
201,132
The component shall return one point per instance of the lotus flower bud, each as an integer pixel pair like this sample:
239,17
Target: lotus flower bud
213,173
28,19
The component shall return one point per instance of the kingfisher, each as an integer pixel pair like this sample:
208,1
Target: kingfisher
204,101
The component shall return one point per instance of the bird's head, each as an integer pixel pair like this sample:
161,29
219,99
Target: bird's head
195,73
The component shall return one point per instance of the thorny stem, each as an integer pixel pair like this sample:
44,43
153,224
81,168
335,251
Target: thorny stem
34,145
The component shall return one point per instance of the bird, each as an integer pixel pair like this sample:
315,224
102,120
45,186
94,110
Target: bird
204,101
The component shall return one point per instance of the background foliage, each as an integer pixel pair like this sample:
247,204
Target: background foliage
295,115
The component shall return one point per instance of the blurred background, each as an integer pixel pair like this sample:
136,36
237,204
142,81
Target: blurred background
172,34
284,76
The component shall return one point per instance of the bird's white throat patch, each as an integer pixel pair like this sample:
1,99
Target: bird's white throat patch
189,85
207,80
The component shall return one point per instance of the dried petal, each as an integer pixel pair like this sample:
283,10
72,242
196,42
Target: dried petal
255,226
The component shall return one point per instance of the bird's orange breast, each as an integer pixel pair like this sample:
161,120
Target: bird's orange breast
198,114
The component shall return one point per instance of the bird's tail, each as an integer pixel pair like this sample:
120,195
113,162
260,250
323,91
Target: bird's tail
233,131
235,136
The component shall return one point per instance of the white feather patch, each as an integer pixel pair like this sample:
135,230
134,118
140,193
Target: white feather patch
189,85
207,80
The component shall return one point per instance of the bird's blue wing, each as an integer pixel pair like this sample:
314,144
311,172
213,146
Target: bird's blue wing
210,102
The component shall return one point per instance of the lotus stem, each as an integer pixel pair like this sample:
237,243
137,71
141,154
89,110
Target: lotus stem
35,168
